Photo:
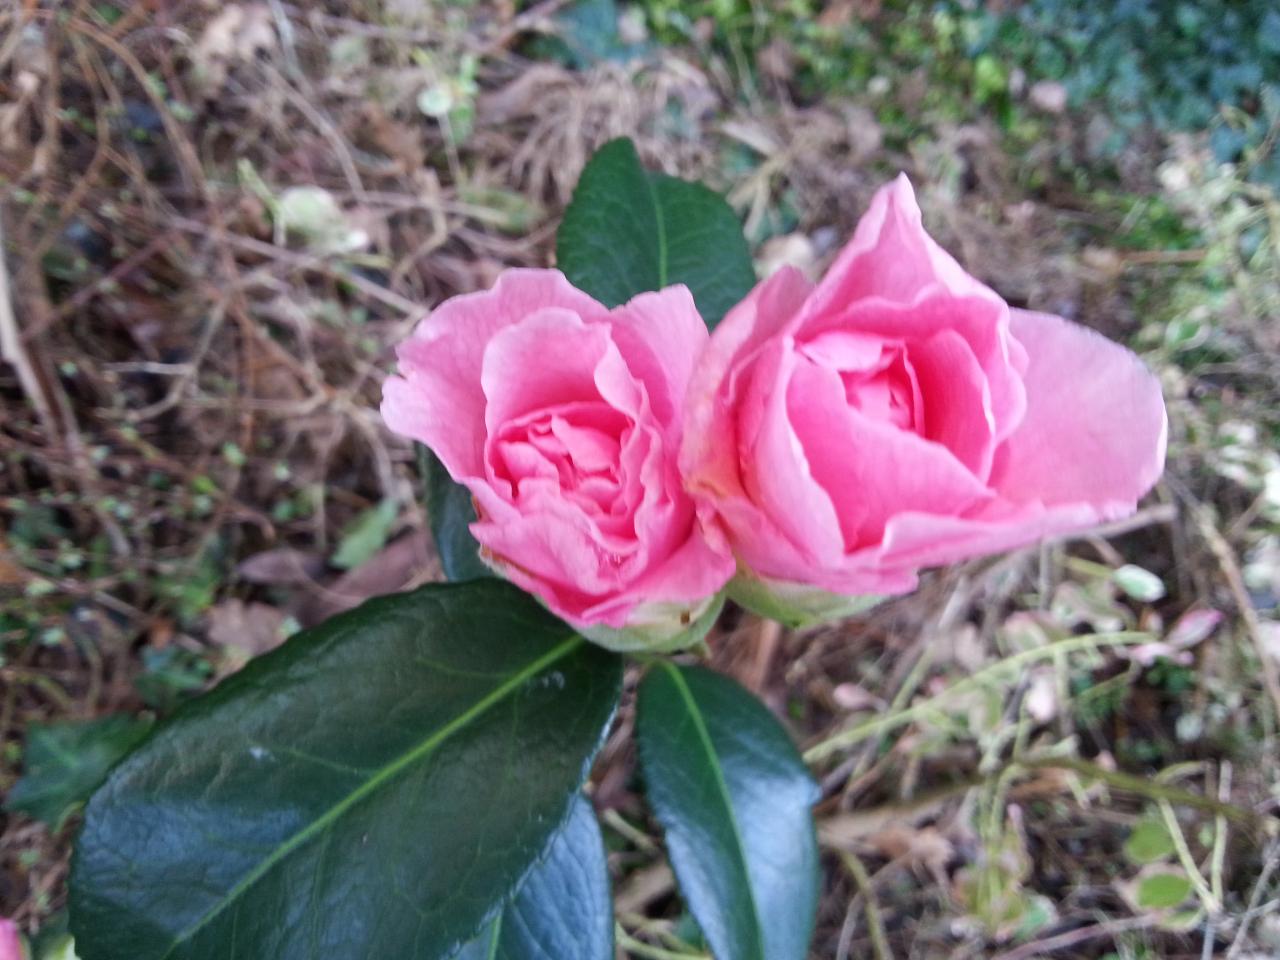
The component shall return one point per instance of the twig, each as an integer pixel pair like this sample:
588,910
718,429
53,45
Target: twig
641,949
613,819
1255,900
1219,856
1207,900
767,636
348,25
303,261
1061,941
327,130
847,738
86,293
1235,581
871,905
14,352
1153,789
1160,513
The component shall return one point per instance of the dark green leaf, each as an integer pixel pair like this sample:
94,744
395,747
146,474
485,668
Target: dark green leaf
373,788
563,910
629,230
65,762
734,798
451,513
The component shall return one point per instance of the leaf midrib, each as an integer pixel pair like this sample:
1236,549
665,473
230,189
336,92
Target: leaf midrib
713,758
388,772
659,221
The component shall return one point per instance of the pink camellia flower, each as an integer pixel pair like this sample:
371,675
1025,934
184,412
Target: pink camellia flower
563,419
900,415
10,944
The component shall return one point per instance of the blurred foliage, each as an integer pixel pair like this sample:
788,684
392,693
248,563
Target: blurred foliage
65,762
1175,66
1140,64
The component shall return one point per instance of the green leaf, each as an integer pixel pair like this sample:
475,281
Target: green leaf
1163,890
65,762
629,230
375,787
365,535
1149,841
734,799
451,513
564,909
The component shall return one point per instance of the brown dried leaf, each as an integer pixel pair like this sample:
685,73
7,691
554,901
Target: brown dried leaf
408,560
922,847
281,566
524,96
249,628
236,35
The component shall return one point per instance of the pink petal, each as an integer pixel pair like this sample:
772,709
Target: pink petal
693,572
982,321
590,448
551,548
891,256
1095,427
438,398
520,375
759,543
845,350
778,474
869,469
956,398
914,540
708,453
660,335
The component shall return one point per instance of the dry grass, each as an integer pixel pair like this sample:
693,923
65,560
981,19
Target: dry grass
188,423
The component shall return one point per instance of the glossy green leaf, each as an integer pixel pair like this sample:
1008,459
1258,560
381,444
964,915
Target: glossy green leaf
451,513
376,787
735,801
65,762
629,230
564,909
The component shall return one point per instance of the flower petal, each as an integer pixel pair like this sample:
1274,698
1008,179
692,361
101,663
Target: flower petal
916,540
779,476
660,336
892,256
956,398
1095,428
872,470
438,399
983,323
520,376
709,452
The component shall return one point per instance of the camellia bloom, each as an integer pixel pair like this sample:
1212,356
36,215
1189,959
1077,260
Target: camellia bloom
563,419
901,415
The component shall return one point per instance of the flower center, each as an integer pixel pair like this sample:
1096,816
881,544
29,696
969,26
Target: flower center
879,380
574,449
888,393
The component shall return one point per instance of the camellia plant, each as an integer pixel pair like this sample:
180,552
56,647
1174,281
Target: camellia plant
624,442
